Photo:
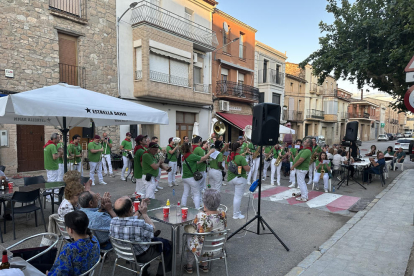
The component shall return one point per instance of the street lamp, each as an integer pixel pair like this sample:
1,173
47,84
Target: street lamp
131,6
215,52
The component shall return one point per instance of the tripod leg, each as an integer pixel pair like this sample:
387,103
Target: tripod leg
244,226
274,234
261,222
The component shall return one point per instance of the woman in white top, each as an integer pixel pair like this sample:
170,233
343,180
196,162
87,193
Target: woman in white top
337,160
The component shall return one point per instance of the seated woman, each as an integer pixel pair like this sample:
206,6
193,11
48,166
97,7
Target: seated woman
210,219
319,167
351,169
372,151
72,191
80,255
390,152
331,153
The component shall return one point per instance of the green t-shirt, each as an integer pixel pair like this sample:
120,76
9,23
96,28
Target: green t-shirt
214,162
389,153
107,149
401,154
50,163
318,149
276,152
127,146
94,157
239,161
60,159
325,166
306,154
192,160
137,163
200,152
147,160
75,150
294,151
244,148
171,157
268,149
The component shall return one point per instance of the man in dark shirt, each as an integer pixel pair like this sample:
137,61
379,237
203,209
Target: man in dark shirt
375,167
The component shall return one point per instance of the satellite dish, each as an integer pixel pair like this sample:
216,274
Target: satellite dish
226,27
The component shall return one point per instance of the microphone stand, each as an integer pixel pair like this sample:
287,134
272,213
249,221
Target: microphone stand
258,216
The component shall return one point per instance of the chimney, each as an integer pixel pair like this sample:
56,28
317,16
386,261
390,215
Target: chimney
362,94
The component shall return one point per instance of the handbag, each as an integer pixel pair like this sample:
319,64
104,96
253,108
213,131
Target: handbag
197,175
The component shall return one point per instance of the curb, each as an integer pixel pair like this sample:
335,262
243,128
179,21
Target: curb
315,255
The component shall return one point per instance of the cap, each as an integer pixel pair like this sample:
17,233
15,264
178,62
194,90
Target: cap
140,138
153,145
169,140
241,137
97,137
128,134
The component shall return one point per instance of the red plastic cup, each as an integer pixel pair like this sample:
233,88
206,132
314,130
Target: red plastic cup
136,205
184,211
10,185
166,211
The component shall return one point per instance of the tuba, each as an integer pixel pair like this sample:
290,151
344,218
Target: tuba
248,132
219,128
176,142
313,157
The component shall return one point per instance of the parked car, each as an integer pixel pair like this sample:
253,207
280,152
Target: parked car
317,139
390,136
405,143
407,134
321,140
358,142
383,137
400,135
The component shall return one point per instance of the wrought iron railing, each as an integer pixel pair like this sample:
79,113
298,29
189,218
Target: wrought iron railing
293,115
359,115
234,89
155,15
203,88
138,74
70,7
73,75
314,114
271,76
344,115
242,51
167,78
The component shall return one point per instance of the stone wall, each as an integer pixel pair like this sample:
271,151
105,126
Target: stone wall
29,46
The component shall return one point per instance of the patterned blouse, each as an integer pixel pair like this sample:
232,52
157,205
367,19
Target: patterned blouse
76,258
65,207
206,223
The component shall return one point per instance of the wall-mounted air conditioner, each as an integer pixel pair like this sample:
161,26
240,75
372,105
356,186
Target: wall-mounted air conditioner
224,105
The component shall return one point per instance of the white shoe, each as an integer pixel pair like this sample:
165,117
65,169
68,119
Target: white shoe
316,188
123,178
105,174
103,183
112,175
224,184
301,199
238,216
264,179
175,184
170,185
93,183
159,187
273,184
278,183
292,185
248,183
309,183
156,190
326,191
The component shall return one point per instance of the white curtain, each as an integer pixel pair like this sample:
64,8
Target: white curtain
159,63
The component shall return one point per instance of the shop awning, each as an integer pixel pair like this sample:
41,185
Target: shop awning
237,120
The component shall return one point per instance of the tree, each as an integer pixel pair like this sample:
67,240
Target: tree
370,42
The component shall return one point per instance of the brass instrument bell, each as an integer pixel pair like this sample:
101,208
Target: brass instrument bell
219,128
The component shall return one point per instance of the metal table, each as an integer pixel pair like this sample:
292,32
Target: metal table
29,270
155,212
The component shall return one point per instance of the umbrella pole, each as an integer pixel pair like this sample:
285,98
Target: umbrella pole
64,131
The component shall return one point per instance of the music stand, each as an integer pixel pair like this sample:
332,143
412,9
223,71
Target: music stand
258,216
347,170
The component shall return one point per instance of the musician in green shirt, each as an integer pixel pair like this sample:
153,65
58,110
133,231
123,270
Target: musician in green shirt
95,157
268,155
75,150
106,157
172,153
294,151
126,148
322,171
216,167
301,164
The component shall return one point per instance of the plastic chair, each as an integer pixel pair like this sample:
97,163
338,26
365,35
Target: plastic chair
214,242
37,180
30,199
98,233
64,236
92,270
50,235
381,174
125,250
396,164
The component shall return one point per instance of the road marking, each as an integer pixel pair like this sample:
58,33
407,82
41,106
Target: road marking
322,200
342,203
284,195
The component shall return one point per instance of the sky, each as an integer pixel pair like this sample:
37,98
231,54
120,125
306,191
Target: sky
291,26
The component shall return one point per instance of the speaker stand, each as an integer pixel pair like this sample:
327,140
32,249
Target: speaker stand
347,172
260,219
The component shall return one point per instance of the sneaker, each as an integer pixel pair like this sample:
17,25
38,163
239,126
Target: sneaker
103,183
292,185
170,185
104,174
238,216
273,184
159,187
309,183
263,179
278,183
316,188
224,184
188,270
203,268
175,184
112,175
326,190
93,183
301,199
248,183
156,190
123,179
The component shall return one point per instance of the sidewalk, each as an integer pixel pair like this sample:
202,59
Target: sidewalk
376,241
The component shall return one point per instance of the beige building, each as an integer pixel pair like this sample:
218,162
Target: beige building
394,121
409,125
367,114
47,42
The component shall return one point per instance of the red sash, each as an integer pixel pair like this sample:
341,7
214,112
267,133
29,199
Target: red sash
137,148
185,156
49,143
232,156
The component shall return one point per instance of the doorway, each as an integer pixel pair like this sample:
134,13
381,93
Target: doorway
184,125
30,142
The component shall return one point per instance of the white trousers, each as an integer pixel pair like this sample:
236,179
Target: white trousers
266,165
171,174
311,172
52,176
78,167
215,179
248,159
301,174
253,170
127,164
190,185
292,174
61,172
149,187
106,159
239,187
139,186
95,166
325,179
273,170
203,182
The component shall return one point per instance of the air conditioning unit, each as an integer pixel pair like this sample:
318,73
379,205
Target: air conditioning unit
224,105
195,58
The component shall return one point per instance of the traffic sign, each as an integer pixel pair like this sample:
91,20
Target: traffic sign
409,99
382,125
410,66
409,77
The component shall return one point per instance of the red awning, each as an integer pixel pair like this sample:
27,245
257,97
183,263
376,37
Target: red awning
239,121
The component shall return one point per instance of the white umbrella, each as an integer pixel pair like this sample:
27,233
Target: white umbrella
285,130
66,106
195,130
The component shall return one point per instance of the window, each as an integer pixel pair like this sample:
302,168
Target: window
241,79
138,61
242,48
197,75
184,124
168,70
276,98
76,8
226,36
224,74
265,62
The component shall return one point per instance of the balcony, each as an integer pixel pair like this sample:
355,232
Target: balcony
330,117
359,115
313,88
170,79
147,13
293,115
69,8
344,115
237,92
73,75
242,52
314,114
202,88
271,76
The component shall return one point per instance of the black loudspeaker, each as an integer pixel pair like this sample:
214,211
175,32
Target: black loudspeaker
351,133
88,132
261,97
134,130
266,120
